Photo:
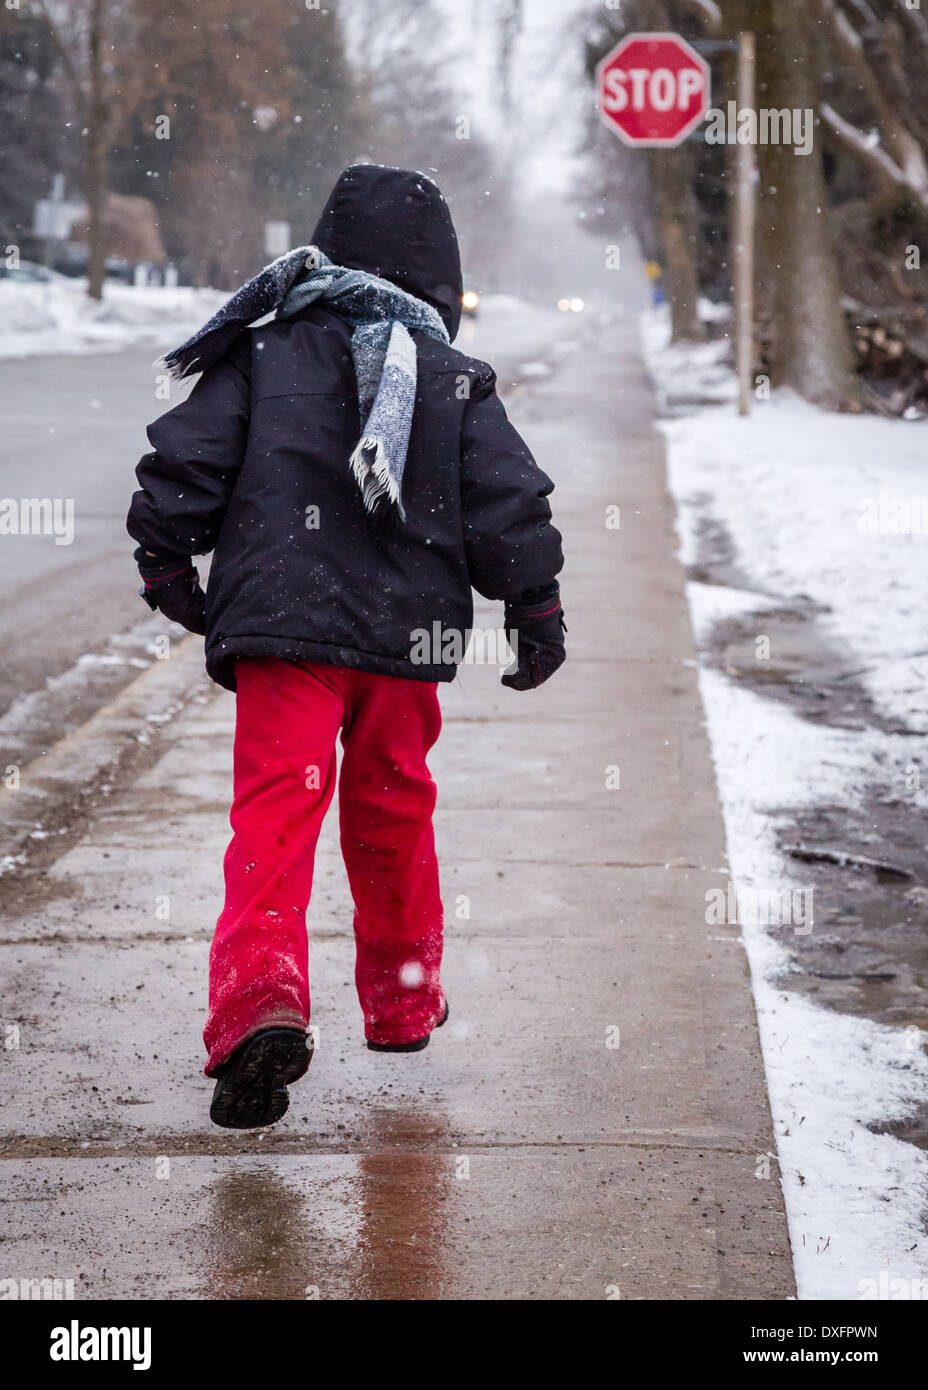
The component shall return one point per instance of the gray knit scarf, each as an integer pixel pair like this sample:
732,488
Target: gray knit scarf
383,352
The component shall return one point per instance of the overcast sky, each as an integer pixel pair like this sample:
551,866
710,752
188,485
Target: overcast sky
551,96
550,93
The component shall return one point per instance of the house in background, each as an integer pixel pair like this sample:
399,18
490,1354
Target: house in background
134,250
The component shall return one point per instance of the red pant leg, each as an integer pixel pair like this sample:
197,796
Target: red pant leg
287,720
386,800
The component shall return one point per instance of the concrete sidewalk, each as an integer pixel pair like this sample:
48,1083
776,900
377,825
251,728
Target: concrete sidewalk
523,1154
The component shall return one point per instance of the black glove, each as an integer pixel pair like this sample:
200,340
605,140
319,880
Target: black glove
171,584
536,623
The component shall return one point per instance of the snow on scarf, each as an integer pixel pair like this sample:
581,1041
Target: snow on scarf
383,352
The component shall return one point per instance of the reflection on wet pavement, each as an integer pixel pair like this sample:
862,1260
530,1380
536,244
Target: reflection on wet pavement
375,1231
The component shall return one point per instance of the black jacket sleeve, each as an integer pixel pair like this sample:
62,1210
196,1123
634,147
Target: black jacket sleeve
197,448
510,542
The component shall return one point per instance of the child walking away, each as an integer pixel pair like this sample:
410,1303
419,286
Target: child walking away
355,477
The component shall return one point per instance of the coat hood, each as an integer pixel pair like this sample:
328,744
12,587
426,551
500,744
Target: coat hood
396,224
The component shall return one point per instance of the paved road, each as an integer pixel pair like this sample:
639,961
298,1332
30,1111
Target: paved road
524,1154
73,428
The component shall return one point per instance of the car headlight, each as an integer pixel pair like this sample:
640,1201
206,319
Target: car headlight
470,299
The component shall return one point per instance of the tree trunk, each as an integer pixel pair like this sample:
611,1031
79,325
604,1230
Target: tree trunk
97,152
809,342
672,178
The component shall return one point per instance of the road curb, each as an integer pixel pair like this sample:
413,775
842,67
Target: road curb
47,787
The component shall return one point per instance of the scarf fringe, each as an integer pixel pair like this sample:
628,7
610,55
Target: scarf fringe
170,365
372,474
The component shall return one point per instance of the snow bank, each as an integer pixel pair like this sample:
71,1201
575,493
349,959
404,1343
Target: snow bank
798,492
38,319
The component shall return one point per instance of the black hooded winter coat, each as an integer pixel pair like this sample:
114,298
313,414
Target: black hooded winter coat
254,465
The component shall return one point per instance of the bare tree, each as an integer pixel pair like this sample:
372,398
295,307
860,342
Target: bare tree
809,342
509,26
420,123
673,175
892,148
85,34
98,137
222,75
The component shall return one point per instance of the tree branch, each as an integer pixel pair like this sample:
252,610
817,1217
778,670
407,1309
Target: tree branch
885,172
867,18
64,53
705,10
916,24
902,146
884,47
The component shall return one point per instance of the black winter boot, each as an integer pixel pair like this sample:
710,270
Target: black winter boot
251,1087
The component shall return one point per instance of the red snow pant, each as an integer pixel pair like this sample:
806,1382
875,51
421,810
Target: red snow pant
288,715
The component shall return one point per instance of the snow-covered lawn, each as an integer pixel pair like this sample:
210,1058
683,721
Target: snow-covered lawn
832,508
58,317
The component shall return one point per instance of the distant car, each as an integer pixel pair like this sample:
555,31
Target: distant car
118,268
27,271
570,306
469,301
72,262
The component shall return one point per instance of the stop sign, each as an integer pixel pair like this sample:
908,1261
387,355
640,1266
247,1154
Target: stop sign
652,89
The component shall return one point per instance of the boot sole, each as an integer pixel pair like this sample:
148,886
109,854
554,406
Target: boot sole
252,1090
416,1046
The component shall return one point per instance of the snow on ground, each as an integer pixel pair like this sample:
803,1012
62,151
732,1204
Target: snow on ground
59,318
824,506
